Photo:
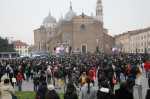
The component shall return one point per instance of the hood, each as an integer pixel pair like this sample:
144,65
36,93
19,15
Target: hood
69,91
86,85
146,62
19,74
3,78
42,88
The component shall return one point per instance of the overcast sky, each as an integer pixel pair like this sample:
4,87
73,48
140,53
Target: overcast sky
18,18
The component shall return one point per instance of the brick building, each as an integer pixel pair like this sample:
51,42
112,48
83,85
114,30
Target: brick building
74,33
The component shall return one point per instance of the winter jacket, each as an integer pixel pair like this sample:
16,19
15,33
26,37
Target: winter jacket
70,94
2,79
110,69
57,74
85,95
7,91
41,91
19,77
92,74
147,66
56,96
104,93
133,72
130,81
123,94
2,82
148,94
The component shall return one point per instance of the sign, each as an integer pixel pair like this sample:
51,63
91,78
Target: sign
14,80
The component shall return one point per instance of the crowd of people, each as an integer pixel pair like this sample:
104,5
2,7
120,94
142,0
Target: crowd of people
79,73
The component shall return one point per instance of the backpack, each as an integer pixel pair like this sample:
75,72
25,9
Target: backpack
130,82
83,79
39,96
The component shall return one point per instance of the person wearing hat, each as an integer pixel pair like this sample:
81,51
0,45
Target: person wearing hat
51,93
6,90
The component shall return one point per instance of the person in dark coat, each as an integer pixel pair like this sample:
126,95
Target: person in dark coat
130,83
148,94
70,92
110,79
42,90
52,94
101,79
123,92
105,92
133,72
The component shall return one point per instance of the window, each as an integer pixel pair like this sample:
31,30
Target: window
144,36
106,46
15,47
148,43
138,44
50,33
148,35
26,51
82,27
148,49
25,47
131,51
20,47
145,44
141,44
39,46
96,40
141,50
141,37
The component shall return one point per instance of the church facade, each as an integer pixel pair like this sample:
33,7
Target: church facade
73,34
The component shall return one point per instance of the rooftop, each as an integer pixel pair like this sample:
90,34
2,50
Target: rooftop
133,32
20,44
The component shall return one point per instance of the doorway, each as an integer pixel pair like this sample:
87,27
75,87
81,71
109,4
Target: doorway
83,49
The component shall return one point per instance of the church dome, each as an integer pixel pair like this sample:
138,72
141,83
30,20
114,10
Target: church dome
70,14
49,19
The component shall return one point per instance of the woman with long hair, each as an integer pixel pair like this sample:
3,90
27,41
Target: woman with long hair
49,95
88,91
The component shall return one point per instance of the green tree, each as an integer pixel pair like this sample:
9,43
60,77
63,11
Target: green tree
5,46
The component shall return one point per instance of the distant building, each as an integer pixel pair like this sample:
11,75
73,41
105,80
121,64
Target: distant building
136,41
74,33
20,47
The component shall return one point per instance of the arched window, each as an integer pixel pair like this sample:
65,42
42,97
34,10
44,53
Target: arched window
83,27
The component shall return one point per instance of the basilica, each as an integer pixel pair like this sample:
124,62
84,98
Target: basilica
73,33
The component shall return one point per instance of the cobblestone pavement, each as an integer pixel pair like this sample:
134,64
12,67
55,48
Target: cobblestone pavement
28,86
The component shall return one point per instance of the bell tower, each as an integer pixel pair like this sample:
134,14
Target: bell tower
99,10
